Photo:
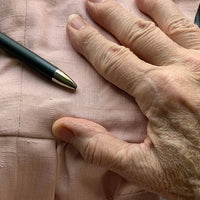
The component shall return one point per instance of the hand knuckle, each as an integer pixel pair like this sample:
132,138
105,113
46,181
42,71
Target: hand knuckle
135,31
178,25
168,86
112,59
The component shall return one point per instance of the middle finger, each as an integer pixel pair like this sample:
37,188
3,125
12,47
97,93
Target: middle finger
143,37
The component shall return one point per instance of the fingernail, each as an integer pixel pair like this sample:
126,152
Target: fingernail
62,133
76,21
96,1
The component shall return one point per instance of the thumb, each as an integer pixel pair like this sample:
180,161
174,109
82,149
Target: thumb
98,146
93,141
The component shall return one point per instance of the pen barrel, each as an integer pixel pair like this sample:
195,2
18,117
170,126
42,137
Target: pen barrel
27,56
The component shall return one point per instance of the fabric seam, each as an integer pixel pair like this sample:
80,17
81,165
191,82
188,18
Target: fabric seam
20,104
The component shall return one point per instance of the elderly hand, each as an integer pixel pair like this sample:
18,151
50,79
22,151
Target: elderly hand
160,68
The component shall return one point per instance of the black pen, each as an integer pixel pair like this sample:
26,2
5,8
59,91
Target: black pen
197,17
36,62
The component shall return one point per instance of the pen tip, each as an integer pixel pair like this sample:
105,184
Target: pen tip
73,85
62,79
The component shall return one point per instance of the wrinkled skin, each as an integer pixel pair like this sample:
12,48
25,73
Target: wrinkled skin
160,68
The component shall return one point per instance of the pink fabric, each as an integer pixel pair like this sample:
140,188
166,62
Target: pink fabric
33,165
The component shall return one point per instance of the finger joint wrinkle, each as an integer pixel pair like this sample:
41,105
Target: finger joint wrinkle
137,31
178,25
